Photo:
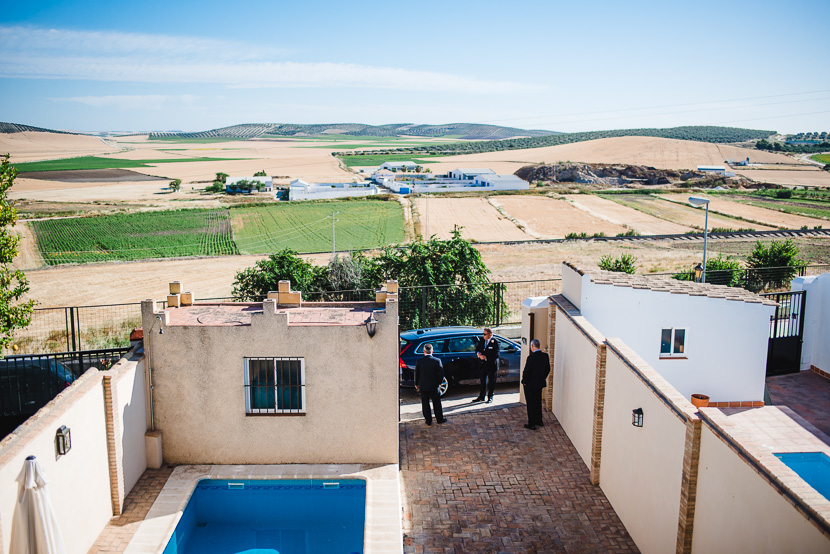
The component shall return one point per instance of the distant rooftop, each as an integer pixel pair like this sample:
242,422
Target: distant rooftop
673,286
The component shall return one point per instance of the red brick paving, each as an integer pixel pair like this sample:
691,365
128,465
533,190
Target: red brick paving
807,394
119,532
483,483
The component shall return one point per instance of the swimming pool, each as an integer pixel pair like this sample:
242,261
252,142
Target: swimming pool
813,467
272,517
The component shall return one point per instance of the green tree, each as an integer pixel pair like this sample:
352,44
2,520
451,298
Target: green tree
772,265
254,283
260,173
719,271
14,313
175,184
625,263
222,177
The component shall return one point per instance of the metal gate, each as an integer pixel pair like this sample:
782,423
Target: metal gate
786,332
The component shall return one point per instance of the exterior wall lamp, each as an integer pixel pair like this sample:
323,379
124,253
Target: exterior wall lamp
371,325
63,440
637,417
698,272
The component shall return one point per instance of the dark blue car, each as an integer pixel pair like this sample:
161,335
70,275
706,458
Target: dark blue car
455,347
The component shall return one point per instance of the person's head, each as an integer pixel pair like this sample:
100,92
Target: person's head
535,345
427,350
486,333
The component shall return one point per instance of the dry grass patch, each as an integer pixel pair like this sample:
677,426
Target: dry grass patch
682,214
754,213
553,218
479,219
630,218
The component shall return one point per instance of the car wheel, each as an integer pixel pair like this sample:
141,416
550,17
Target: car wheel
443,387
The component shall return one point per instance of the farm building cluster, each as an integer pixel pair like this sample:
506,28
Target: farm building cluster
406,178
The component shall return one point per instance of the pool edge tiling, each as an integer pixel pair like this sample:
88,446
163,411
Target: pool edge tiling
382,532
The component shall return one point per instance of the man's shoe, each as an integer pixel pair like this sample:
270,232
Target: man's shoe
479,399
529,426
540,424
440,421
429,423
490,400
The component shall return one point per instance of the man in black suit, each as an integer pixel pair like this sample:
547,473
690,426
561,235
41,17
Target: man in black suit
429,373
534,379
487,350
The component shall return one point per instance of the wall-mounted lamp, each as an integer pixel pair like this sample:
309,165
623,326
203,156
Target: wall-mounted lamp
371,325
698,272
63,440
637,417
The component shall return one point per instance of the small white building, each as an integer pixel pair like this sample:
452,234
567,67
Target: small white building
719,169
469,174
300,190
702,338
398,166
815,348
234,184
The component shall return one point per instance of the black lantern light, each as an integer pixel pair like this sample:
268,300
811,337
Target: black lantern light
698,272
637,417
371,325
63,440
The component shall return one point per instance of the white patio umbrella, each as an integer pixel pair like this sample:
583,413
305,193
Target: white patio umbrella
36,528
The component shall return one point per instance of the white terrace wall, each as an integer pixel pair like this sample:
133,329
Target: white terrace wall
738,510
574,378
79,482
815,350
129,411
641,467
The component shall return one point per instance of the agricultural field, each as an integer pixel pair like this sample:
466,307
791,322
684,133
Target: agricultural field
307,226
137,236
784,213
479,219
554,218
682,214
823,158
95,162
373,160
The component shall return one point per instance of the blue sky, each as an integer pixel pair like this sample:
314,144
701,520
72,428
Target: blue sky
132,66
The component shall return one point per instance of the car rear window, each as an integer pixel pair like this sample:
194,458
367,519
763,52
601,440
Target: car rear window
438,346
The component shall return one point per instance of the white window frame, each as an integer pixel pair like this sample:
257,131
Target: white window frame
275,410
671,353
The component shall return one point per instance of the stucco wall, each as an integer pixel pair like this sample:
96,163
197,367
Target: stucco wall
726,340
129,414
79,481
815,350
574,381
642,467
538,307
738,511
351,392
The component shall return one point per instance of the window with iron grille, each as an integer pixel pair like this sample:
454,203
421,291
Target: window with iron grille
274,386
673,343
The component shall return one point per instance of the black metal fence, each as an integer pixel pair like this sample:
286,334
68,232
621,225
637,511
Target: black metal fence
28,382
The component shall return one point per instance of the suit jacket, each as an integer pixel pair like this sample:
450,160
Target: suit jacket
491,352
537,368
429,372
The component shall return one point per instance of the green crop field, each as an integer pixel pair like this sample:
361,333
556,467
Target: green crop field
94,162
306,226
823,158
137,236
378,159
186,140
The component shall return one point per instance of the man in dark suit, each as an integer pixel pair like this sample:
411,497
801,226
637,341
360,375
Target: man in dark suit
487,350
534,379
429,373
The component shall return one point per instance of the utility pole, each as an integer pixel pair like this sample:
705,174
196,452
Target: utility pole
333,213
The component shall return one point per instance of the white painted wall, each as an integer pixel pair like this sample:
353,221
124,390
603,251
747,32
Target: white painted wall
738,511
130,416
574,382
299,190
815,350
79,481
726,340
641,467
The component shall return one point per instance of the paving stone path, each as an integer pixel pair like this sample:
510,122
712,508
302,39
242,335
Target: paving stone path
484,483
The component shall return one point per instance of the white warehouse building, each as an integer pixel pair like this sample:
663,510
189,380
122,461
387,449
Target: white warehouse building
300,190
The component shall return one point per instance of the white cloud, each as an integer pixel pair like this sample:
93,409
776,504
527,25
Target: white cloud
151,102
129,57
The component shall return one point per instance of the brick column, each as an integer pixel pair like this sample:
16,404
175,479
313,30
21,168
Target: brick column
547,399
688,486
599,409
113,452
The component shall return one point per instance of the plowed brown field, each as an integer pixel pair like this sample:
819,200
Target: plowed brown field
551,218
769,217
479,219
31,146
683,214
609,210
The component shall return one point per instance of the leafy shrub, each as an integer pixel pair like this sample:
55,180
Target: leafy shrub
629,233
784,193
719,271
772,265
625,263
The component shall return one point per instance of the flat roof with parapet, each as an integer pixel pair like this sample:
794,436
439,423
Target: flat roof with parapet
239,313
674,286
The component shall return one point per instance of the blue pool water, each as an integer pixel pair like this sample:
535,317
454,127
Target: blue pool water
272,517
813,467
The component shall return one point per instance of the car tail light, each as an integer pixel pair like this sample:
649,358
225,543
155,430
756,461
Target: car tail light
403,365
